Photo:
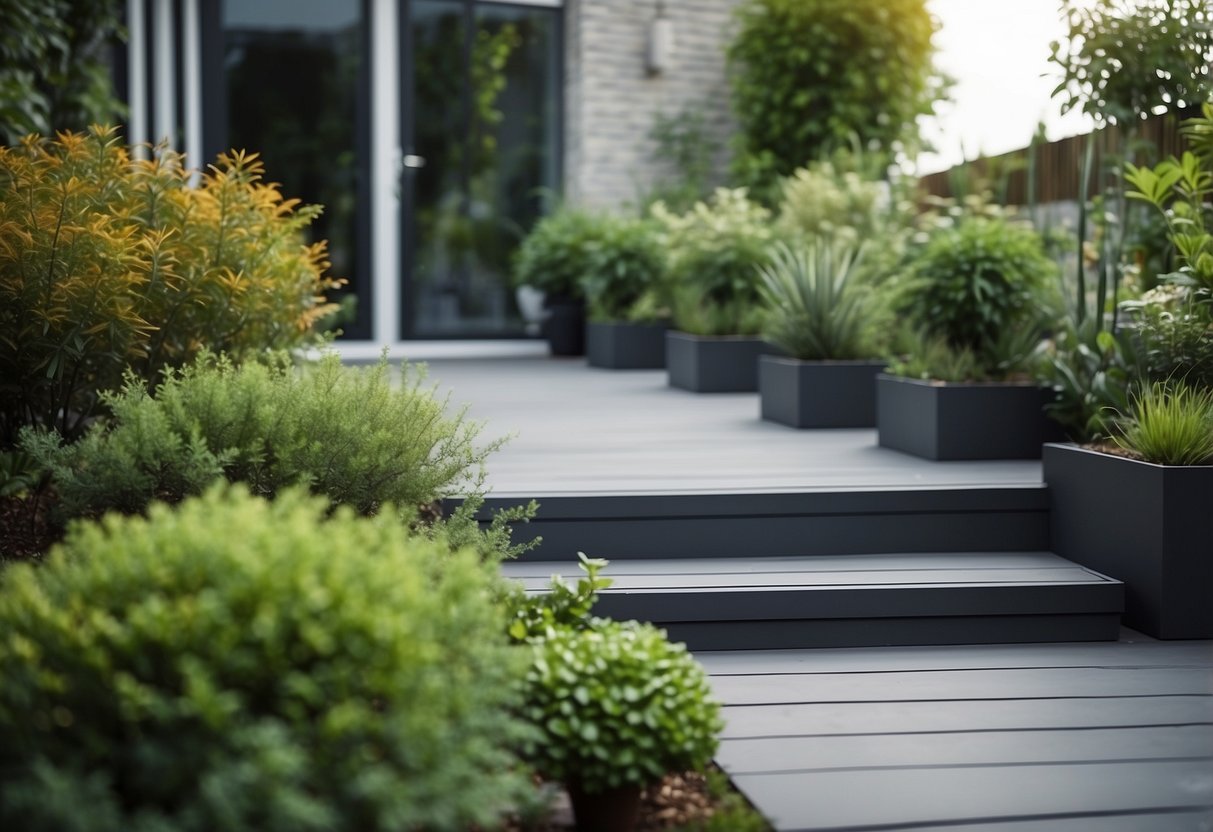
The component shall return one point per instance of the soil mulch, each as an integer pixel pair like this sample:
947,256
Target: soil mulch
680,800
25,528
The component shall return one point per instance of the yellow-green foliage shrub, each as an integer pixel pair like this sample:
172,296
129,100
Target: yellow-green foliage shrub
236,663
108,262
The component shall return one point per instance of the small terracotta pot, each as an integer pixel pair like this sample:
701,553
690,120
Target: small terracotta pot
613,810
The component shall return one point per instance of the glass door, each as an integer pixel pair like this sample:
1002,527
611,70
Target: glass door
294,76
481,134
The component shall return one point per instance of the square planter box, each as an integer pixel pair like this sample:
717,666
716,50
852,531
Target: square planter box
818,394
949,421
1147,525
713,364
624,346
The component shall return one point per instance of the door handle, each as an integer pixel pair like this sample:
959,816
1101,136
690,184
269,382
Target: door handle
412,161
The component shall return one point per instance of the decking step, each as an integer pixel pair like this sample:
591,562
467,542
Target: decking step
703,525
723,603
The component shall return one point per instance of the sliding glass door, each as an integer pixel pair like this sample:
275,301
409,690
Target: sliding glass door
295,80
481,132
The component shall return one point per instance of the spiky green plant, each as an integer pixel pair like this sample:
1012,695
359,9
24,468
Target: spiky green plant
1171,425
816,310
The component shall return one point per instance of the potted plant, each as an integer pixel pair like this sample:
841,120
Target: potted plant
617,707
624,269
714,250
1132,501
552,259
978,295
829,325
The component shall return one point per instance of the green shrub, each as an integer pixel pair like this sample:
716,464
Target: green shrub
242,664
55,65
821,200
618,704
561,607
1171,425
1091,372
714,250
554,257
816,310
810,76
977,283
346,433
624,269
932,358
108,264
1121,60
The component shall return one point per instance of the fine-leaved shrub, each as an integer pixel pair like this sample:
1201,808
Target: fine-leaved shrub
715,250
235,663
109,264
346,433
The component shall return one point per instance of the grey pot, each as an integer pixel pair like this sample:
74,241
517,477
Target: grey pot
714,364
625,346
1147,525
818,394
949,421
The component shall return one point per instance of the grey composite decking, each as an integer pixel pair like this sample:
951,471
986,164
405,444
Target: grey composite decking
1017,738
578,429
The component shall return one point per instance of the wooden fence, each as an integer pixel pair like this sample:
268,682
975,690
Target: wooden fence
1058,165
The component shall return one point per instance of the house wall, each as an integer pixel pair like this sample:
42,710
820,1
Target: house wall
611,100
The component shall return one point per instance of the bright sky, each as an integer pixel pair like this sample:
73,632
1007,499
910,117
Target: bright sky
997,51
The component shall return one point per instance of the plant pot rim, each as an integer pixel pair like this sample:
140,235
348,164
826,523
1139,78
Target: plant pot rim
1076,448
934,382
686,334
839,362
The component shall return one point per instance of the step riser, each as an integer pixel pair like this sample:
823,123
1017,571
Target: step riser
680,537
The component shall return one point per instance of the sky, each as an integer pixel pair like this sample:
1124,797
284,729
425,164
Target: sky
997,52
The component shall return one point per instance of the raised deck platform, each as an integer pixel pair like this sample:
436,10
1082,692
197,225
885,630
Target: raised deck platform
739,534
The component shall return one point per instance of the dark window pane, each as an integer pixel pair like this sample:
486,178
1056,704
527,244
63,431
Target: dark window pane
294,79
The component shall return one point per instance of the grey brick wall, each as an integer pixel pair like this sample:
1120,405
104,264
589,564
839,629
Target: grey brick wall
611,101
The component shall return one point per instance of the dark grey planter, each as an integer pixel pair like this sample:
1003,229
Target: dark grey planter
818,394
624,346
1147,525
950,421
713,364
564,327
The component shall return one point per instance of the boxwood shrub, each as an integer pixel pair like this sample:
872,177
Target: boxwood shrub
235,663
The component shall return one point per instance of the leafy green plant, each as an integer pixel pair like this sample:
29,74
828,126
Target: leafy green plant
562,606
624,264
714,251
1092,373
554,256
19,473
55,65
978,281
816,310
808,75
823,199
235,663
348,434
617,704
1180,188
1171,424
1124,60
109,264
